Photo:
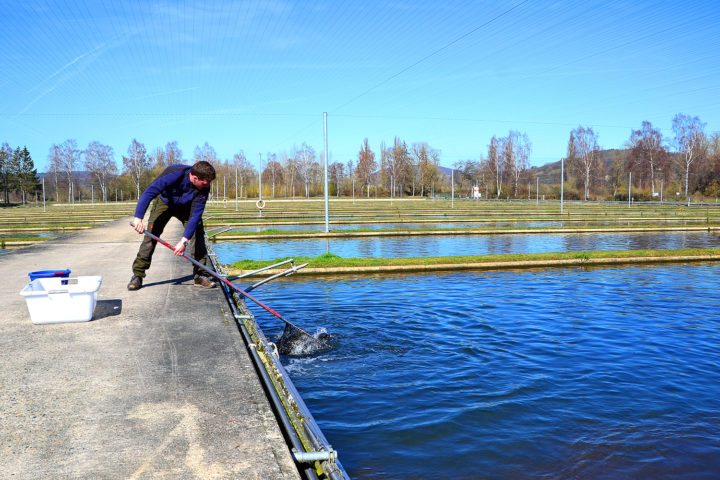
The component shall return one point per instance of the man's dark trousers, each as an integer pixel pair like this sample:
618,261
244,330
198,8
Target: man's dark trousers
160,214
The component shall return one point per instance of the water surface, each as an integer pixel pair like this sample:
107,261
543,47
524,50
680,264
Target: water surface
559,373
317,227
445,245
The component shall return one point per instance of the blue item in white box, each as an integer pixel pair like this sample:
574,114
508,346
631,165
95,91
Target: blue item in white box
58,300
49,274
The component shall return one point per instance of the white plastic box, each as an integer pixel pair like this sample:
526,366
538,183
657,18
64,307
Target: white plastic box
57,300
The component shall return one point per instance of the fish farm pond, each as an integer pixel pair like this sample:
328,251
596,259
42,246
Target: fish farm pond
606,371
580,372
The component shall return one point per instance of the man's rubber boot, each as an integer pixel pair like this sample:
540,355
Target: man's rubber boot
135,283
204,282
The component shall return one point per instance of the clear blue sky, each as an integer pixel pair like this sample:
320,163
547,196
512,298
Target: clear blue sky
257,75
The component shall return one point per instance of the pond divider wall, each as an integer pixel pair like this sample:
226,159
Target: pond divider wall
313,454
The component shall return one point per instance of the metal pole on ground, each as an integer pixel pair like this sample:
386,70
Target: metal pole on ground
452,189
537,190
629,187
661,191
236,191
562,183
43,180
327,219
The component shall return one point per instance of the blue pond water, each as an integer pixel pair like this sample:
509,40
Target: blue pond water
424,246
558,373
320,227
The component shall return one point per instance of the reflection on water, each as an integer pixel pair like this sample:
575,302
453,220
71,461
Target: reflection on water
445,245
318,227
558,373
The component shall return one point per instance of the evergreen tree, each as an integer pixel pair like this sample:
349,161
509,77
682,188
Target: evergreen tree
23,175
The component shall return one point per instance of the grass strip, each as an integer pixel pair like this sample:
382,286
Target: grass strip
330,260
33,238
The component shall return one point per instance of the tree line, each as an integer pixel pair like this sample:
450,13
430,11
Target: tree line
688,162
75,173
684,164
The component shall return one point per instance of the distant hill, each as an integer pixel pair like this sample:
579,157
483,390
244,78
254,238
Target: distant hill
550,172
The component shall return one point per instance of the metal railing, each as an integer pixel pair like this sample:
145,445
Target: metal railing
313,454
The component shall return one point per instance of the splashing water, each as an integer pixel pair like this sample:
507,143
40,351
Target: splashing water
295,342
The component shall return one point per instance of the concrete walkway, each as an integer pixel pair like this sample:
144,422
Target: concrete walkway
157,385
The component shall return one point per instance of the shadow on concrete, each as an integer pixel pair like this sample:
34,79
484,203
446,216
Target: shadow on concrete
174,281
107,308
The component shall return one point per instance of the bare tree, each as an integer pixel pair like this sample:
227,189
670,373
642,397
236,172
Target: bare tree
273,170
583,152
426,160
306,159
366,165
351,175
173,154
397,164
648,155
470,174
136,163
55,167
291,168
384,180
515,156
100,163
711,167
494,163
157,160
69,160
336,170
244,170
689,141
316,174
206,153
403,167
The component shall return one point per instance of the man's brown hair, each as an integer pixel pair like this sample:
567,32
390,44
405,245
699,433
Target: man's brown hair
203,170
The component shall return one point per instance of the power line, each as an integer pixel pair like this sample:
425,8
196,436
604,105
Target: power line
447,45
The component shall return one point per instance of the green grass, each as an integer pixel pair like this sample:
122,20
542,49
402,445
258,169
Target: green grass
33,238
330,260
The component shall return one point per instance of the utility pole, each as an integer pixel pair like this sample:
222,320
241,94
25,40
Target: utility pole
327,220
562,183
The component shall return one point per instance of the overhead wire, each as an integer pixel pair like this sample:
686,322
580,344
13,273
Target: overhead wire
210,31
431,54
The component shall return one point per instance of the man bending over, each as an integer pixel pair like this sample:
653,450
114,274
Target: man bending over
181,192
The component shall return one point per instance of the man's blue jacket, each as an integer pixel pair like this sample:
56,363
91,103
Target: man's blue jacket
174,187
